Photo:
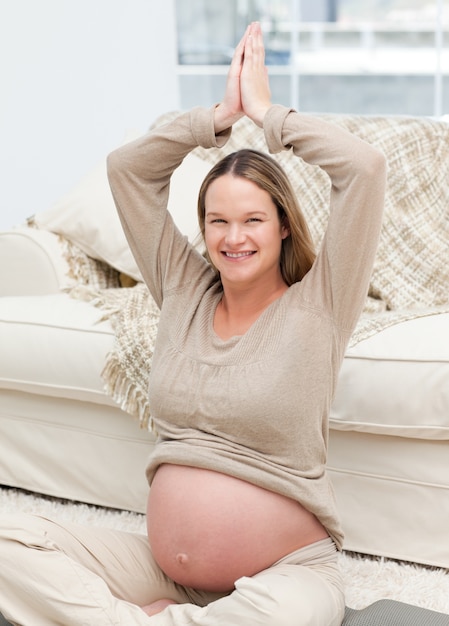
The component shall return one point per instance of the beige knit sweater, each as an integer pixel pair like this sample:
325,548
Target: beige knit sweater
255,406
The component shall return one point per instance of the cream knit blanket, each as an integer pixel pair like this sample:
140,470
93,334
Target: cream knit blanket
411,272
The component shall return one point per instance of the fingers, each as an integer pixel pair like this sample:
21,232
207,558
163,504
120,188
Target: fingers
249,53
237,59
247,89
254,84
230,109
254,49
243,40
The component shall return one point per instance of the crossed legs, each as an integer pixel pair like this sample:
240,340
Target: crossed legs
68,574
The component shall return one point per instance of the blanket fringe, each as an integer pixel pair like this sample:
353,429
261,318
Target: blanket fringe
98,299
134,317
126,393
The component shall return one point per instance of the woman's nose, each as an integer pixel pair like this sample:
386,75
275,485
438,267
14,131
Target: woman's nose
235,234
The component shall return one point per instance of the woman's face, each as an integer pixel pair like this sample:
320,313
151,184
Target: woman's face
242,231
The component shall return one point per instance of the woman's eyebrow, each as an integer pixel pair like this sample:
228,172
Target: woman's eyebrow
245,213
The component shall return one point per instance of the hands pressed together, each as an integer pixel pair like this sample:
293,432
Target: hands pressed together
247,88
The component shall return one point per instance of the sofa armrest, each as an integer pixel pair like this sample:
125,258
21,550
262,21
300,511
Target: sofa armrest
31,263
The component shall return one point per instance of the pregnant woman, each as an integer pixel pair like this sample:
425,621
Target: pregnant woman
242,522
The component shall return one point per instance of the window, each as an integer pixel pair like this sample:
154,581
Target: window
341,56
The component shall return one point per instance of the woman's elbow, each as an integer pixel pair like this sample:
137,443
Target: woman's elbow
375,163
114,163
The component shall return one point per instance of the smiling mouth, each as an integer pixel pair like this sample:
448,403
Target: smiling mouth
237,255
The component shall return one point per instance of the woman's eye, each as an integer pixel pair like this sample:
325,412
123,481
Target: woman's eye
254,219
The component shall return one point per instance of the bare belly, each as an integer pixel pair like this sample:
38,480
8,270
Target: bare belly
208,529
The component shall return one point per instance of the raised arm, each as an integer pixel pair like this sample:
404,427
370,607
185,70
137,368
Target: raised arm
357,171
139,175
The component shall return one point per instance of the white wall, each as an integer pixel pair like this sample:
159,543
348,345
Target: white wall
74,76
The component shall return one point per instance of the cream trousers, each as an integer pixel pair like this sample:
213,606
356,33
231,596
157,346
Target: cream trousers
53,573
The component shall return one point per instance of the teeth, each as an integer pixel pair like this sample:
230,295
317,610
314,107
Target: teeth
236,255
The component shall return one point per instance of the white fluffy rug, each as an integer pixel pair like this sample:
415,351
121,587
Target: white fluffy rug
367,579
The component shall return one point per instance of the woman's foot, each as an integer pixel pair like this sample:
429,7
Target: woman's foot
157,607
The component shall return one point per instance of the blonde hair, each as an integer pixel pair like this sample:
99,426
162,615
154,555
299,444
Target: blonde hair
297,252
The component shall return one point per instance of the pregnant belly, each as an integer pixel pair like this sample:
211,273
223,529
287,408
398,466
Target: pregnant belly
208,529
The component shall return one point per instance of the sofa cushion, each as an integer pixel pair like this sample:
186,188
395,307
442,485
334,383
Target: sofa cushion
87,215
54,345
397,382
31,263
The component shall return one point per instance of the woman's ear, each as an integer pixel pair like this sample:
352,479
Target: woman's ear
285,227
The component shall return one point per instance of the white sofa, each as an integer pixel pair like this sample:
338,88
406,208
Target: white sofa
63,435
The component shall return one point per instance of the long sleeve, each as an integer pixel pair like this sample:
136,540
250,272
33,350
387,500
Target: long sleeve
357,171
139,175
